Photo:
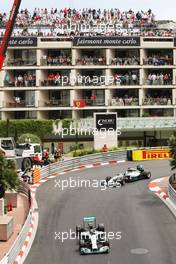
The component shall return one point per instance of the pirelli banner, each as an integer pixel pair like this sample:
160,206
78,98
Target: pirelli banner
151,154
106,41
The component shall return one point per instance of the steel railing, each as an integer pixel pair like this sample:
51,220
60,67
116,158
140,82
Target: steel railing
171,190
82,161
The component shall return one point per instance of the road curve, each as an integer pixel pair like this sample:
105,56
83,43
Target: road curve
148,227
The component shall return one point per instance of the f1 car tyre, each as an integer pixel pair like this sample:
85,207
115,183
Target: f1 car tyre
101,227
82,243
106,243
79,229
123,182
108,178
148,175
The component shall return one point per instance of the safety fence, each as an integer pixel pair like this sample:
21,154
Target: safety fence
172,188
82,161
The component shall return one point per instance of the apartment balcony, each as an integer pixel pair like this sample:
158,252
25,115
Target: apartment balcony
20,84
158,61
158,82
18,104
122,82
90,84
125,62
63,82
56,62
91,62
89,102
124,102
20,63
54,103
158,101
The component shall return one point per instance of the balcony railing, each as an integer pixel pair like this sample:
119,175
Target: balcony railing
162,61
90,83
90,61
95,102
157,101
20,104
61,82
125,61
89,102
124,102
55,103
14,83
123,80
158,81
21,62
56,62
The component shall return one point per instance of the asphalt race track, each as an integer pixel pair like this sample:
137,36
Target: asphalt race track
147,226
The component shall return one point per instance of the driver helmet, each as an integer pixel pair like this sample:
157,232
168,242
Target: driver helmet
140,167
90,226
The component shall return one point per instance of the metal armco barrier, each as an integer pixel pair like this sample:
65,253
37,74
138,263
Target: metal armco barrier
81,161
17,246
171,190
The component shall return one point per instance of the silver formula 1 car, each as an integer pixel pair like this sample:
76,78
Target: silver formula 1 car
92,237
138,173
131,174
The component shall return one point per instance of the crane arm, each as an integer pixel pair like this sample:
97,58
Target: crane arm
8,31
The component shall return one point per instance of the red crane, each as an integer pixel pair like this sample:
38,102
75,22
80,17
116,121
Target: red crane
8,31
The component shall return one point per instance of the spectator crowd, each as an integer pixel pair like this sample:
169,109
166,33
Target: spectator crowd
159,100
125,61
87,16
158,60
159,79
61,60
129,78
90,22
92,60
21,80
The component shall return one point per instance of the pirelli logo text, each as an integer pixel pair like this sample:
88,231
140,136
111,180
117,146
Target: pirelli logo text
155,154
151,154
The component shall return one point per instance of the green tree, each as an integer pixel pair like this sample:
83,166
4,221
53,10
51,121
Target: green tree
172,144
8,176
33,138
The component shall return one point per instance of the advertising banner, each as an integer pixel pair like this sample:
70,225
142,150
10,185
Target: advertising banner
151,154
106,121
106,41
22,42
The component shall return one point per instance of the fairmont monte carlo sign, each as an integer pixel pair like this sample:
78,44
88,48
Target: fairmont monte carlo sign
106,41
